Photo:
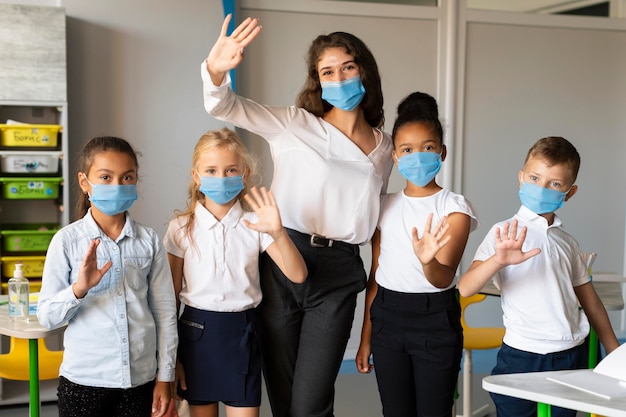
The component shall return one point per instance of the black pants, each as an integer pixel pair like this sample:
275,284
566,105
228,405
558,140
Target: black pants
417,343
80,401
306,327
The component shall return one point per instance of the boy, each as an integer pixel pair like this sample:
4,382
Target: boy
540,288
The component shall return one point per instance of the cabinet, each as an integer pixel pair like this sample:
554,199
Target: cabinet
34,176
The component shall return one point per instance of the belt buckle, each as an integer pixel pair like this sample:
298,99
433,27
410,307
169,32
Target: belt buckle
315,238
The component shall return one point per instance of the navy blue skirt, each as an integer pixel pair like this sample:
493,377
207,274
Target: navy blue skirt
221,358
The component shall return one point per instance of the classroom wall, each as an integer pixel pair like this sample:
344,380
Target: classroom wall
133,71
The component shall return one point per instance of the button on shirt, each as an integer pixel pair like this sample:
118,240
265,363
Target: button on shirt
221,266
540,310
124,330
323,183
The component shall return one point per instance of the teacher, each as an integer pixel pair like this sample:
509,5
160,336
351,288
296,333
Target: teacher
331,164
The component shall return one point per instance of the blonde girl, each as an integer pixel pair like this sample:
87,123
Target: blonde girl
107,277
213,248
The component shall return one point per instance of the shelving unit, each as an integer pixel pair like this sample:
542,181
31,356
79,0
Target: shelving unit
33,90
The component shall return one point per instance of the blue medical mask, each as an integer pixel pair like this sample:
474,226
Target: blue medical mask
420,167
221,189
541,200
344,95
112,199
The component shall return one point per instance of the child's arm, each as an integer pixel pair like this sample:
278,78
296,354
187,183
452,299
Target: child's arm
160,398
440,249
283,251
508,252
597,315
362,358
176,267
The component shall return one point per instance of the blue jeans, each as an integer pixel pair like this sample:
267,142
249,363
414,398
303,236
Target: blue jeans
513,361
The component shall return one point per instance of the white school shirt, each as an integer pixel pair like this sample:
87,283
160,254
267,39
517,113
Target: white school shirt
540,310
123,332
399,269
323,182
221,272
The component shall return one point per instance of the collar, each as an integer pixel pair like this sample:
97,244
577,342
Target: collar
533,218
206,220
94,232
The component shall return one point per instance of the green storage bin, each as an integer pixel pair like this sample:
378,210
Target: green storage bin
27,237
21,188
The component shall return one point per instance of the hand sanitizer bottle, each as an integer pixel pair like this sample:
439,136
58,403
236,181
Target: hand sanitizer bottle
18,295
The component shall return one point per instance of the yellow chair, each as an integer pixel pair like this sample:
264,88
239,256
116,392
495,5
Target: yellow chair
15,364
475,338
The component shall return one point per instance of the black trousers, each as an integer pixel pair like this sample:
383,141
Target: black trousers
306,327
417,343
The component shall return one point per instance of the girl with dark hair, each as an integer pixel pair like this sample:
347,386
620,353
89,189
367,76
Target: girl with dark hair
108,278
412,318
331,164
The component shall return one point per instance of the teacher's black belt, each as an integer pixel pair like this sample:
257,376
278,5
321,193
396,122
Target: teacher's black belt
319,241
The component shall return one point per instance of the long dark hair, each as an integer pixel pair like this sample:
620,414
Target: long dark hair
310,97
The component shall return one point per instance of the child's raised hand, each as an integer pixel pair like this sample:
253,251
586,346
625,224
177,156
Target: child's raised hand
89,275
227,52
509,245
263,203
427,247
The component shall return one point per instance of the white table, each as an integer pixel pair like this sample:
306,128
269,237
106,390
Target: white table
534,386
32,331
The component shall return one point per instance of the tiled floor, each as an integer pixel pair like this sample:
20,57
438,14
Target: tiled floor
356,396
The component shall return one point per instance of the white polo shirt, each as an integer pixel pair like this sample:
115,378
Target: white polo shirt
221,267
541,311
323,182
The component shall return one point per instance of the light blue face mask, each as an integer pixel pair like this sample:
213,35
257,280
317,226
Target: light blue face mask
344,95
112,199
420,167
221,189
541,200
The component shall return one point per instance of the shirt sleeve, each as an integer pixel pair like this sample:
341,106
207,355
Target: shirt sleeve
163,305
174,237
57,303
222,103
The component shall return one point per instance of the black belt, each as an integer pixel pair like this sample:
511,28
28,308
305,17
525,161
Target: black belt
319,241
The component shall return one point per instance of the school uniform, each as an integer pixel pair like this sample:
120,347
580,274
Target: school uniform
218,328
545,328
417,338
328,192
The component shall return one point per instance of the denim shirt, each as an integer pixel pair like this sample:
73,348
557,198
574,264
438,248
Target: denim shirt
123,332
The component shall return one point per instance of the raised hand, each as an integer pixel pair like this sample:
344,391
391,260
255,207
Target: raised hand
263,203
227,52
427,247
89,275
509,245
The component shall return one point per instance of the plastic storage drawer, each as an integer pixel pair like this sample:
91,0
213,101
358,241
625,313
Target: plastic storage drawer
27,237
33,265
29,162
18,188
29,135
